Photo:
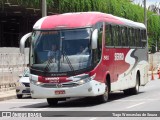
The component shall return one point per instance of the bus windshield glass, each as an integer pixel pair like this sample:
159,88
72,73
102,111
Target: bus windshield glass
61,50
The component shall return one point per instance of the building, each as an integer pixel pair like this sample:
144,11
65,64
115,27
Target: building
154,8
17,18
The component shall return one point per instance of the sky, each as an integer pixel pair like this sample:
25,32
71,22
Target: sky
148,2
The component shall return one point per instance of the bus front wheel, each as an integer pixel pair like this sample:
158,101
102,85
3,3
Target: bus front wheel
52,101
104,98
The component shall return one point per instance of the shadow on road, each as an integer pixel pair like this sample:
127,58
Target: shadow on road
119,95
79,102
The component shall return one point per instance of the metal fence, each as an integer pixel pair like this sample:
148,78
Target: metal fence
11,66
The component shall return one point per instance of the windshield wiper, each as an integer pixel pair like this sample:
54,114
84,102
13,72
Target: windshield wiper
68,61
51,60
48,64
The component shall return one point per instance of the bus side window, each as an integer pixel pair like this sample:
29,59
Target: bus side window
126,37
137,37
119,36
130,37
140,38
112,37
123,37
100,42
143,38
97,52
145,35
133,37
108,38
116,42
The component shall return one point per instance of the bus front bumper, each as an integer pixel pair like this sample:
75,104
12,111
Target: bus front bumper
91,88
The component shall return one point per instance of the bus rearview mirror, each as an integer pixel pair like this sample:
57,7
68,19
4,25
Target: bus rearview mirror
94,39
22,42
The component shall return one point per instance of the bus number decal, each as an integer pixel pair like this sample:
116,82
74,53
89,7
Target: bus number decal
118,56
106,57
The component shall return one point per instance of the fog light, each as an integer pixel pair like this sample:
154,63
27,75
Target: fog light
17,90
89,89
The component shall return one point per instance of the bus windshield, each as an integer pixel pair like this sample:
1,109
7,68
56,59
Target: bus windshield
61,50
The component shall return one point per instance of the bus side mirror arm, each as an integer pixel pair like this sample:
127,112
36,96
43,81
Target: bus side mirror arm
22,42
94,39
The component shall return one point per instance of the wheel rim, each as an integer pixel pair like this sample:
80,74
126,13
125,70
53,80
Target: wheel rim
137,84
106,93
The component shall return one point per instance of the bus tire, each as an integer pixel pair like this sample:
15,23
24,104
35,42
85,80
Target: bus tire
52,101
104,98
134,90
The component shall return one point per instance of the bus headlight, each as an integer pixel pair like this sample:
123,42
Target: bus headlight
83,81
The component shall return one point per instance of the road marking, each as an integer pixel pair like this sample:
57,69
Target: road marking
135,105
93,119
137,100
40,109
18,102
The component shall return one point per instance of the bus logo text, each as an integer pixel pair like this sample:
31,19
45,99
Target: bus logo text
118,56
54,78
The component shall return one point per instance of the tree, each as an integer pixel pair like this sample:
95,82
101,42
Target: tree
121,8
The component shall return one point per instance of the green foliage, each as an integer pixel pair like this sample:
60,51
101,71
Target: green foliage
121,8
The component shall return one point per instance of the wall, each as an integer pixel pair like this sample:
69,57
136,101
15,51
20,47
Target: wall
12,64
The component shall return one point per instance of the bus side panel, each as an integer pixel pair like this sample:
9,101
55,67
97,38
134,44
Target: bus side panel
123,65
114,61
143,65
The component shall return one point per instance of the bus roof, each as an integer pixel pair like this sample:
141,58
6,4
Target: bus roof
81,19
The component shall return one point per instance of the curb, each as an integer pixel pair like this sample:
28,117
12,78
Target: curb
8,98
8,94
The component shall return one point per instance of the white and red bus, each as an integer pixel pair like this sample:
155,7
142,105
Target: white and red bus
86,54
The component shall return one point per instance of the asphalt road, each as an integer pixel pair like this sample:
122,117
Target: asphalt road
147,100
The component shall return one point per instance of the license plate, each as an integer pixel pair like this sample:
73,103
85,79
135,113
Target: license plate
28,89
57,92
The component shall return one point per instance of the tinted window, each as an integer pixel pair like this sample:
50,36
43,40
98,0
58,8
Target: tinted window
109,37
133,37
137,36
115,35
123,36
126,36
143,38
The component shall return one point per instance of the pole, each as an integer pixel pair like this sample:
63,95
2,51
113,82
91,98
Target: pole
145,14
44,8
145,19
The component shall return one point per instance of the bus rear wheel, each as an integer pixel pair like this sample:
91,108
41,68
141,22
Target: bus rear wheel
104,98
134,90
52,101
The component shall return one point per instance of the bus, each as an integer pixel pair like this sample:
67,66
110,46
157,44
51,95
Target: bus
86,54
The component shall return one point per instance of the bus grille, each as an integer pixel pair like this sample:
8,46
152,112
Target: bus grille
59,85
